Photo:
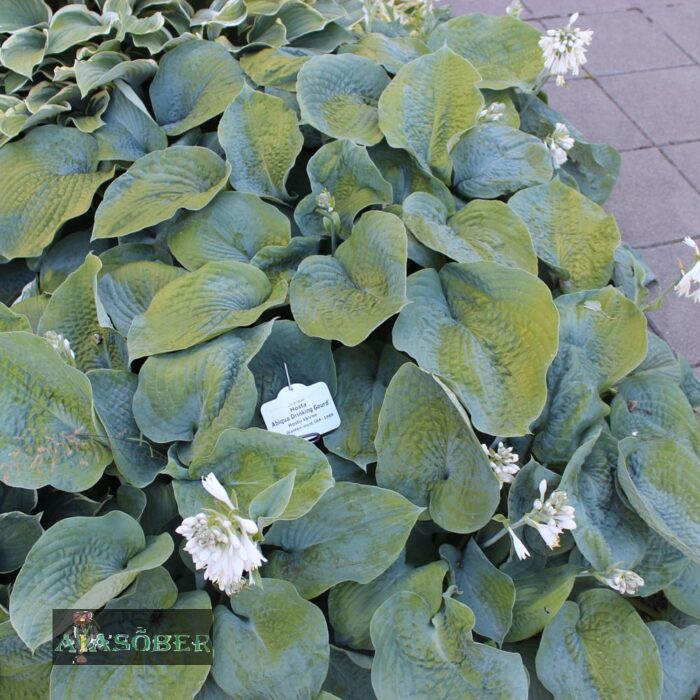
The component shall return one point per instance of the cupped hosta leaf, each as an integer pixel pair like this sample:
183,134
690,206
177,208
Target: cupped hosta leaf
129,132
602,338
352,605
308,360
488,592
76,313
127,290
72,25
608,533
113,391
153,588
17,14
11,321
18,533
338,95
661,565
538,597
348,173
392,52
201,305
427,451
261,138
275,67
661,479
80,562
23,675
571,233
364,373
47,431
133,681
273,645
684,592
156,186
473,324
430,101
483,230
599,647
346,296
248,462
493,159
504,50
105,67
353,533
281,261
46,179
349,675
653,405
235,226
195,81
23,500
678,650
406,629
195,394
23,51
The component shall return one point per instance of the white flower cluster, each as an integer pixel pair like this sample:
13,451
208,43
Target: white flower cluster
325,200
515,9
624,581
221,543
493,113
60,344
565,49
503,461
559,143
684,287
550,517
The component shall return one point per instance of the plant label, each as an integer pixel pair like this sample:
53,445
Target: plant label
301,410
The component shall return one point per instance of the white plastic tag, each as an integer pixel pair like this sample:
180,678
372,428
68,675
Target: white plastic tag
301,410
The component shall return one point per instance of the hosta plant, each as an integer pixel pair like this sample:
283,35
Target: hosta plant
203,203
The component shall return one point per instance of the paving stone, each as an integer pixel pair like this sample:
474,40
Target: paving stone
678,320
664,103
488,7
652,202
686,157
681,21
596,115
624,42
565,8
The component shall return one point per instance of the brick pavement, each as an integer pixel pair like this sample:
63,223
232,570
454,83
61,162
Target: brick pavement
640,93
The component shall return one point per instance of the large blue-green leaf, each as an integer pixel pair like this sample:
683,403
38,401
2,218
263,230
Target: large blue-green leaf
195,82
23,675
571,233
338,95
599,647
46,179
392,52
431,100
80,562
156,186
423,653
494,159
201,305
678,652
489,332
276,68
18,533
18,14
427,450
684,592
353,533
262,140
274,645
47,429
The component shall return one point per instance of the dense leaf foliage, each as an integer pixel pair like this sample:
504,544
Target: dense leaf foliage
203,201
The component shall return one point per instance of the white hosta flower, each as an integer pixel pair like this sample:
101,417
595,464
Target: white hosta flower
325,200
221,542
565,49
521,550
60,344
624,581
515,9
493,113
685,287
503,461
559,143
551,516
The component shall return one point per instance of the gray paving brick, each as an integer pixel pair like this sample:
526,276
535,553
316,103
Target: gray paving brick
561,8
678,320
686,157
652,202
664,103
488,7
680,20
626,41
596,115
